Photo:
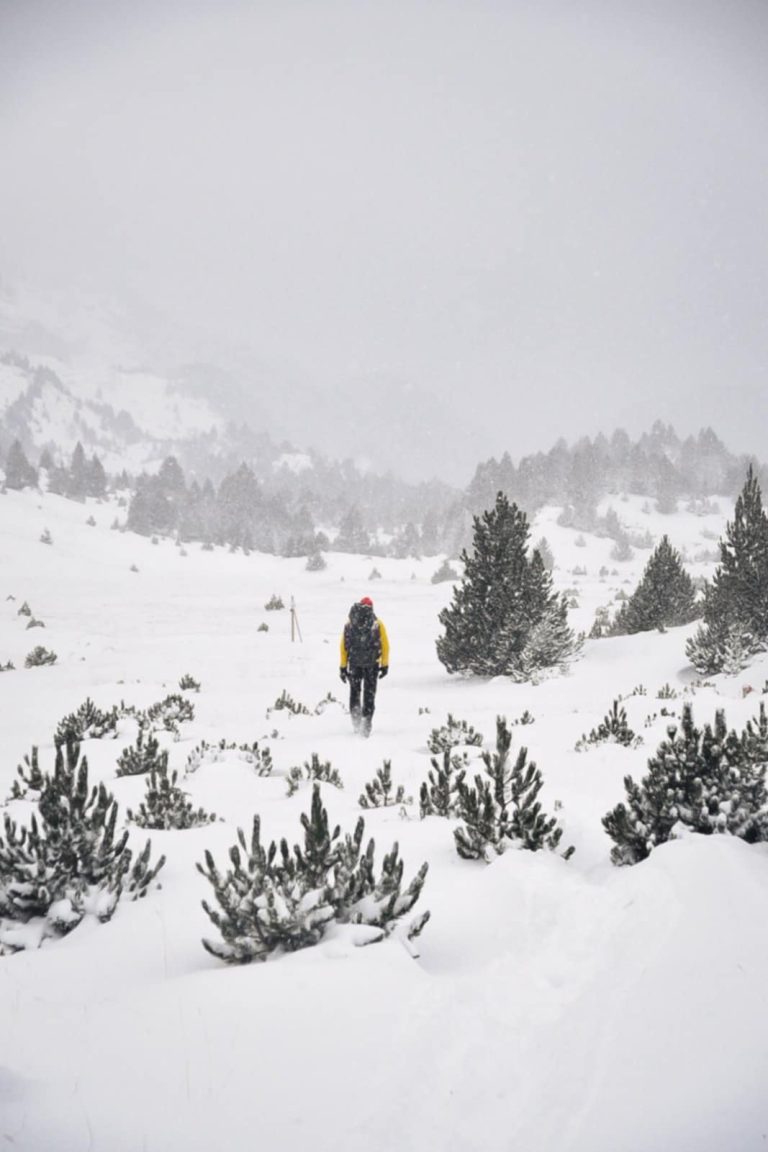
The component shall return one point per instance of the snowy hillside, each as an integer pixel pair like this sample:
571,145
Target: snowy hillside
556,1006
130,418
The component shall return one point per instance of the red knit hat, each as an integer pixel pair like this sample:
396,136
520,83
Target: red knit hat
367,600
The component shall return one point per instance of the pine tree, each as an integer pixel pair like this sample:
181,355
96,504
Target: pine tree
505,618
664,598
352,536
141,757
439,795
19,473
96,478
503,809
68,860
77,479
444,573
381,792
165,805
451,734
709,780
614,728
736,602
269,900
87,723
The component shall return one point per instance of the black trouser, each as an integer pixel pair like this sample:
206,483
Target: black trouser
367,679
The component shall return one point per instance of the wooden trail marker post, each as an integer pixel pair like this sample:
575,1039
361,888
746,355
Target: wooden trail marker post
295,629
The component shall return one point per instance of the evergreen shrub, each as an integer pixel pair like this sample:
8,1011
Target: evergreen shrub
274,899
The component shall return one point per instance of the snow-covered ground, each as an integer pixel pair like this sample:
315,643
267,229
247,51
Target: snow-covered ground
569,1006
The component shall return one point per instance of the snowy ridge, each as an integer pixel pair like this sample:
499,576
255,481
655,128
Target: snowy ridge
129,418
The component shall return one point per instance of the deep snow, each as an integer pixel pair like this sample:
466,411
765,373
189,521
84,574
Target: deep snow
570,1006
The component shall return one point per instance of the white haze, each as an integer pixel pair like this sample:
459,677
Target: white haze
540,219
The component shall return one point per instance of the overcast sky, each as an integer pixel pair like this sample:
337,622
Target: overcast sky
554,213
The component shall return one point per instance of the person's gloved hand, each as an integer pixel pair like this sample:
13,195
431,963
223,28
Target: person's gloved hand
383,671
343,675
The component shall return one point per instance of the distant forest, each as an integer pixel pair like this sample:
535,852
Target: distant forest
334,506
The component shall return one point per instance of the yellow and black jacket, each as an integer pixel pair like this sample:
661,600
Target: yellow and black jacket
366,651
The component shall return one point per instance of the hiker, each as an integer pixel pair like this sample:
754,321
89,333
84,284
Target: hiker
364,661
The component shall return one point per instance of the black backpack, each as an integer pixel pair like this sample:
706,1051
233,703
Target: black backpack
361,636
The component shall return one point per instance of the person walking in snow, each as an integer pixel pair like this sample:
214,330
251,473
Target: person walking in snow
364,661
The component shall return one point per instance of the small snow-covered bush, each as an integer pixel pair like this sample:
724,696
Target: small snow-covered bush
614,729
39,656
274,604
439,793
25,610
167,714
67,862
327,701
188,683
502,810
45,536
381,792
87,723
444,573
313,769
205,753
286,703
453,733
709,780
272,899
34,623
316,562
165,805
525,718
141,757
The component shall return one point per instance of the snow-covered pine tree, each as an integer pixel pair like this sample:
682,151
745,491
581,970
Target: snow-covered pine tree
260,907
505,618
439,795
19,473
313,769
613,728
167,714
664,598
545,551
451,734
39,656
444,573
736,602
269,901
141,757
67,861
381,792
503,809
165,805
87,723
709,780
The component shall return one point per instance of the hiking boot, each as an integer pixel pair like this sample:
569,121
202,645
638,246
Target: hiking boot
356,719
365,726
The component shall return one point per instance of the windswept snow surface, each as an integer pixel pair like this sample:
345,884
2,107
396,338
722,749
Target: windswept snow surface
564,1006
